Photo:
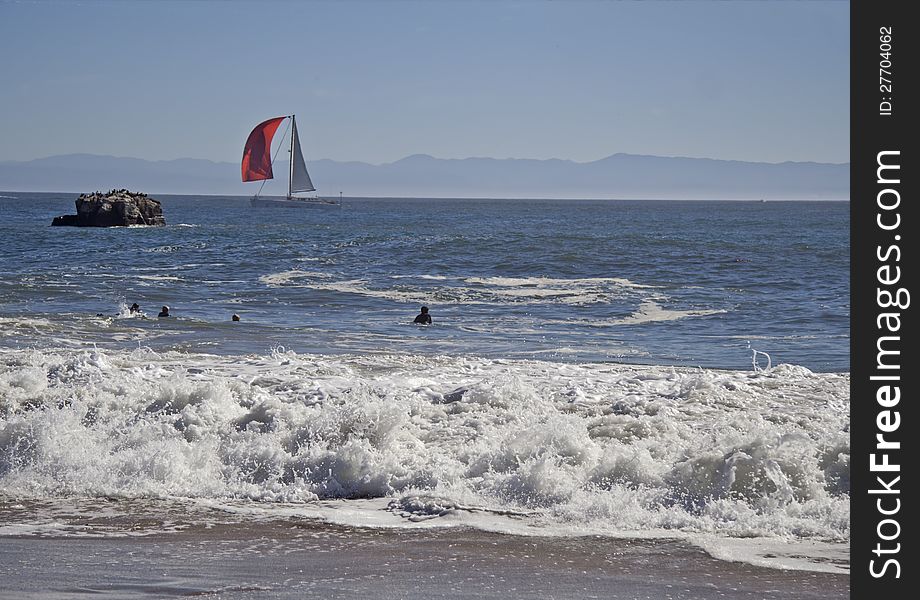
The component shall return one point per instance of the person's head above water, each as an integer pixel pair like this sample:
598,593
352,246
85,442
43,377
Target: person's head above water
164,312
135,307
423,317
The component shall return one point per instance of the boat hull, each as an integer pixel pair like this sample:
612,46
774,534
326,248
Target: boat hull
260,202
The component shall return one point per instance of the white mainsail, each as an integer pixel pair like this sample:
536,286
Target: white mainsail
300,179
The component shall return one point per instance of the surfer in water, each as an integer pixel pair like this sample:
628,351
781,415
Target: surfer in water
164,312
423,317
135,308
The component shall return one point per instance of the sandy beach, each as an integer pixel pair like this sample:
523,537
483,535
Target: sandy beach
300,558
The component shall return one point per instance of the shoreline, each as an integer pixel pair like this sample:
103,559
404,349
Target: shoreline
306,558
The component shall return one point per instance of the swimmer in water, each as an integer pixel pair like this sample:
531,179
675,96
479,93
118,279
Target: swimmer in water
135,308
423,317
164,312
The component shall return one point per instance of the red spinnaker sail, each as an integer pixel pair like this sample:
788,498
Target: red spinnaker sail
257,154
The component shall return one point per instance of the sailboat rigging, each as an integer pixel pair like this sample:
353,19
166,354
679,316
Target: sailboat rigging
258,160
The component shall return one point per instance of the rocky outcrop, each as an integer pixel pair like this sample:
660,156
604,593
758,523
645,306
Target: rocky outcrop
116,208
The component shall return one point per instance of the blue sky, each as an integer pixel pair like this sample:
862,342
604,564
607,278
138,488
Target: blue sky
377,81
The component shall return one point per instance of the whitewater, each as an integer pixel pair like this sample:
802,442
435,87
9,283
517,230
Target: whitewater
523,446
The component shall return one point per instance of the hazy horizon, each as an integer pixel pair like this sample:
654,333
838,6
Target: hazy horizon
427,155
627,176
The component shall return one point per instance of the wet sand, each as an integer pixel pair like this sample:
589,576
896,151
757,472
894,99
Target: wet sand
283,559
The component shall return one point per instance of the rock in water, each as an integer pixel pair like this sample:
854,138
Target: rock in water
114,209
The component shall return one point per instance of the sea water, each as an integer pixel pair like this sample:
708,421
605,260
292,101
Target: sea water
594,367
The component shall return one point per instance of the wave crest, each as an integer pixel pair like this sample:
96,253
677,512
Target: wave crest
595,447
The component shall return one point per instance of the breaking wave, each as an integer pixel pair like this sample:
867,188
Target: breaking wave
596,448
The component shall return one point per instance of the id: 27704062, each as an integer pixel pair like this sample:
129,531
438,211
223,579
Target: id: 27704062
884,71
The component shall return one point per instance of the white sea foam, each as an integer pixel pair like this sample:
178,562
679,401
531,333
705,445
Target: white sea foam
548,281
34,323
24,327
429,277
360,287
650,311
293,277
527,445
470,290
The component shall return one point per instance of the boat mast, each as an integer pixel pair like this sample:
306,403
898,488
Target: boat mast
291,161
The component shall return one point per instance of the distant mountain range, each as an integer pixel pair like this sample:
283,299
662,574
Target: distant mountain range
627,176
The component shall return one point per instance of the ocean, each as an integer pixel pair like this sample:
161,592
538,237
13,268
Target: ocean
638,370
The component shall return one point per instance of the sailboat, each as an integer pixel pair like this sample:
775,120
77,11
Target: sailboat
257,166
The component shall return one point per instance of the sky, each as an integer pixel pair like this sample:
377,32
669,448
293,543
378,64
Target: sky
378,81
